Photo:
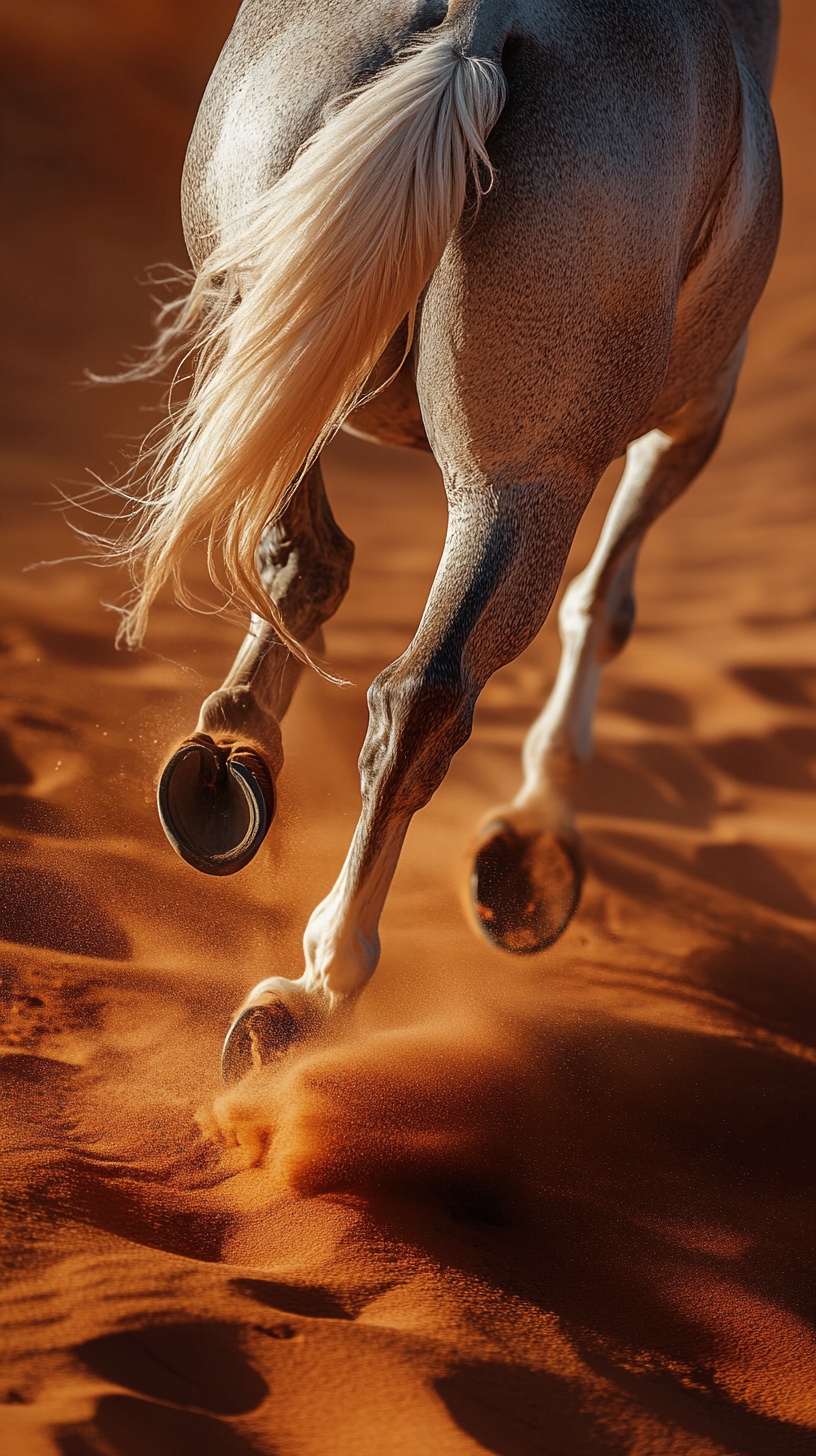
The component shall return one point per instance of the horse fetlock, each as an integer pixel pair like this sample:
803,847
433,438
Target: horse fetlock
555,754
547,810
234,715
340,958
307,1004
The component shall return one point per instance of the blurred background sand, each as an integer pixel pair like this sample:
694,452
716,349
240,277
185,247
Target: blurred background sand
553,1206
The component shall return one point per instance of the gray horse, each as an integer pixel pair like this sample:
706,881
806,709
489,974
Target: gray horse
529,310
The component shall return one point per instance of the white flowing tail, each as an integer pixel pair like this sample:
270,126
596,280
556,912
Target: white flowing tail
294,307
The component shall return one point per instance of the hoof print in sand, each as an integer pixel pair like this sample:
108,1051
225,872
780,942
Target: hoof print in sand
201,1366
792,687
512,1411
128,1426
752,873
783,759
39,1001
649,704
307,1300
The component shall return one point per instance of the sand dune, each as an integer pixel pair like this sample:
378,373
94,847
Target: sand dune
561,1205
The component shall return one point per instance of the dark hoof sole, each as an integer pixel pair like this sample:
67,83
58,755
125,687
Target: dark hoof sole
258,1036
525,888
216,804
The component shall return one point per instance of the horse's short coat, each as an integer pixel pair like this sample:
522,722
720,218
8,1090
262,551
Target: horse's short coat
595,305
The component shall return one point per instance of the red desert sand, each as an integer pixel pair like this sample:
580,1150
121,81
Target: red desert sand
551,1205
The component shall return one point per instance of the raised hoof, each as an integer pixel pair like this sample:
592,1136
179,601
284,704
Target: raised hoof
216,804
258,1035
525,887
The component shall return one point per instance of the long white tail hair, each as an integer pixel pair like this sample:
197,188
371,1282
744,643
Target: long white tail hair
293,308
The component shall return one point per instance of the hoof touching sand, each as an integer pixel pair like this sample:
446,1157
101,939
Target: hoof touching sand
259,1035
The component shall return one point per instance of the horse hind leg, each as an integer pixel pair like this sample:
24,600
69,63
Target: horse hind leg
502,561
216,795
528,863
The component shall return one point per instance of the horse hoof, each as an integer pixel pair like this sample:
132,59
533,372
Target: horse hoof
216,804
258,1036
525,887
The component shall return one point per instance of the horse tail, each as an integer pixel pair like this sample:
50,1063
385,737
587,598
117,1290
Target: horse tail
295,305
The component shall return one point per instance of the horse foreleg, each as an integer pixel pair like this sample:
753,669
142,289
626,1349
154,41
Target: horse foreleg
528,864
216,795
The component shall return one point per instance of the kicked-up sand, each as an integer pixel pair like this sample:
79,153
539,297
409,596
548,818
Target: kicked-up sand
556,1206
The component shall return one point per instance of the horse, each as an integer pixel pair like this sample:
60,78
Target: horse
527,235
